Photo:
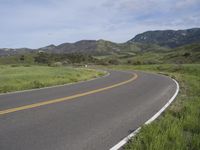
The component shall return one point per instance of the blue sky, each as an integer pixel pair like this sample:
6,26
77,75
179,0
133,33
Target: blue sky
38,23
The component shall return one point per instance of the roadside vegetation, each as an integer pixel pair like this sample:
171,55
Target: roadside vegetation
19,77
178,128
151,55
43,58
147,54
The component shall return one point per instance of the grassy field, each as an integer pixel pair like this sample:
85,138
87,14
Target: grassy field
178,128
151,55
15,78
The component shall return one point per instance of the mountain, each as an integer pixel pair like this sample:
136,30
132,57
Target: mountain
99,47
49,47
168,38
10,51
80,47
157,41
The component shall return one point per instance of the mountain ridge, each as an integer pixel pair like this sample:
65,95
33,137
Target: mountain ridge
168,38
158,40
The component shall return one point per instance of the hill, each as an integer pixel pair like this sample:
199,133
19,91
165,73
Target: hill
100,47
147,41
167,46
10,51
168,38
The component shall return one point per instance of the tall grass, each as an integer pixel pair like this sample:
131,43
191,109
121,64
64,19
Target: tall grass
179,127
15,78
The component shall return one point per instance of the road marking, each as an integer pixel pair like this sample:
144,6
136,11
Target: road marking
11,110
126,139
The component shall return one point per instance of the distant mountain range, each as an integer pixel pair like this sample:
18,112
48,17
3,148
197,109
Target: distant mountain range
169,38
147,41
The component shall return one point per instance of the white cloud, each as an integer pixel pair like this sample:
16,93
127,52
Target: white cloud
186,3
36,23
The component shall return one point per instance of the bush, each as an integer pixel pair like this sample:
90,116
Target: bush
57,64
27,65
187,54
114,62
66,62
129,62
176,68
15,65
37,84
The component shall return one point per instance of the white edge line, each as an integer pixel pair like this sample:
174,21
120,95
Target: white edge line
126,139
49,87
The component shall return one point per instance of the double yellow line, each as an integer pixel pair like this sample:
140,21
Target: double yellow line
11,110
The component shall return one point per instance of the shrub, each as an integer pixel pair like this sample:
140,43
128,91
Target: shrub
37,84
114,61
27,65
187,54
15,65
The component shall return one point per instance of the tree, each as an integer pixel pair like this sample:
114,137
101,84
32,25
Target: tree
187,54
22,58
42,57
113,61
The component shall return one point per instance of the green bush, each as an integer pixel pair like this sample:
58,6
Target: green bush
37,84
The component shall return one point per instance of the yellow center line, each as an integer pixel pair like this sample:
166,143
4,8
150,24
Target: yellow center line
11,110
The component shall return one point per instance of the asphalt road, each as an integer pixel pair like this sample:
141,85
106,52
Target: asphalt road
93,115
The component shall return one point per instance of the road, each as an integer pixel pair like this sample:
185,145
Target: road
92,115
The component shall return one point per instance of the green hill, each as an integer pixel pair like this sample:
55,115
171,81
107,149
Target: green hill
169,38
151,47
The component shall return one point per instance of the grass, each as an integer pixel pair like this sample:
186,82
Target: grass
15,78
178,128
152,55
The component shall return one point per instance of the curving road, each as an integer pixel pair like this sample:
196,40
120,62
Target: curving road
92,115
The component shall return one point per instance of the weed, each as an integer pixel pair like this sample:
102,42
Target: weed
179,127
13,78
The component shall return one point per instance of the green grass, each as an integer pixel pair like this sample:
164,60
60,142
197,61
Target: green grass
15,78
181,55
178,128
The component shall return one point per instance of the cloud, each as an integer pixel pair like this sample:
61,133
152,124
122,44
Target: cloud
186,3
37,23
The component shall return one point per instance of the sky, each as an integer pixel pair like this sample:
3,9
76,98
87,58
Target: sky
38,23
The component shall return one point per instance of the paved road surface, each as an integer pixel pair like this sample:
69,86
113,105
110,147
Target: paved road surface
93,115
